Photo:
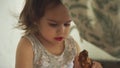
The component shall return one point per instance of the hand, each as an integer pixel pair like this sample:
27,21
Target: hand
96,65
86,62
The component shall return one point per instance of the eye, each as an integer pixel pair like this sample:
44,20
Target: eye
67,24
53,24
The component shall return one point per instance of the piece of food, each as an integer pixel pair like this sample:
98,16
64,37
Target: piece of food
84,60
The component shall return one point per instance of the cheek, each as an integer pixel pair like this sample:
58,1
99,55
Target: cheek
49,31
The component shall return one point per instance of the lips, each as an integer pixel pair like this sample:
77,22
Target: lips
59,38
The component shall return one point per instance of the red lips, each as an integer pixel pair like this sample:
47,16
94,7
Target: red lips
59,38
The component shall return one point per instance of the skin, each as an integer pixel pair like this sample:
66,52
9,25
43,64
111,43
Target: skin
24,54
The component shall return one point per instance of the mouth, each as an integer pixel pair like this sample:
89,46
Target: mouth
58,38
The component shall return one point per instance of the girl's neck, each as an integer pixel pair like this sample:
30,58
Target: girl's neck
55,49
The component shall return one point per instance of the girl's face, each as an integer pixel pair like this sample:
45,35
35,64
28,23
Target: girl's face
54,25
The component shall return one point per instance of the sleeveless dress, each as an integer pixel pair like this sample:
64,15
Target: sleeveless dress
44,59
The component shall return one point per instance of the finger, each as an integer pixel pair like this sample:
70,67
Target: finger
96,65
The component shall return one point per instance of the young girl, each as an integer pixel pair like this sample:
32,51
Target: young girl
46,42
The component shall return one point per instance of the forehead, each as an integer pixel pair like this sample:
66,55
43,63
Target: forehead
58,13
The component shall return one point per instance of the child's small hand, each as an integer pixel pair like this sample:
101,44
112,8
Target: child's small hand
96,65
86,62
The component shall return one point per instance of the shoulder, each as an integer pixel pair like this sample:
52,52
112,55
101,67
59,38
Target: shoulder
24,43
24,53
71,40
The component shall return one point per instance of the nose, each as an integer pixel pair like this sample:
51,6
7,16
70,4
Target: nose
61,29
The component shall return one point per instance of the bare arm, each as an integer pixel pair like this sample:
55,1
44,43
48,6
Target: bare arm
24,54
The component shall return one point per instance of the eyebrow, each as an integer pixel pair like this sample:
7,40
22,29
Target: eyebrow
56,21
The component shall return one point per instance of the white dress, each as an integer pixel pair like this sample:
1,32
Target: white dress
44,59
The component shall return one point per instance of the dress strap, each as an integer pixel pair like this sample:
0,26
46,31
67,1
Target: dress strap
37,50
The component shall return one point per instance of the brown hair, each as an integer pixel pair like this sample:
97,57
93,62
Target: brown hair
32,12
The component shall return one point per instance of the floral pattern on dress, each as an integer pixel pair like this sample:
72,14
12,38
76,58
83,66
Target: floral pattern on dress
44,59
